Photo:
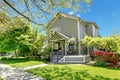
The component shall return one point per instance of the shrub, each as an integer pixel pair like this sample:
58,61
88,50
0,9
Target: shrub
102,58
101,63
112,57
45,52
13,58
97,54
99,58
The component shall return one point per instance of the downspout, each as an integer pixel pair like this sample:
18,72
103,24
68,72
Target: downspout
78,25
65,48
93,30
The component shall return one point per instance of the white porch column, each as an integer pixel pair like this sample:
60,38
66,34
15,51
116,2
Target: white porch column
51,55
78,26
65,49
88,53
52,46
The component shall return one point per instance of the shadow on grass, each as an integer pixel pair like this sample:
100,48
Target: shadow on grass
111,68
65,73
19,60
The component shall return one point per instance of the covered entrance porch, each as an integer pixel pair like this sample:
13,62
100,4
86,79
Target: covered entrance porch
64,49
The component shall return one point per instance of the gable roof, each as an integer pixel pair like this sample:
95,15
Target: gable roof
69,16
59,36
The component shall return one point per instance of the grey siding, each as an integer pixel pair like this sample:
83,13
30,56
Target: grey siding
95,31
89,30
82,31
82,35
55,27
66,26
69,27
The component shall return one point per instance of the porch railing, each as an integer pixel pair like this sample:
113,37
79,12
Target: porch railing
57,55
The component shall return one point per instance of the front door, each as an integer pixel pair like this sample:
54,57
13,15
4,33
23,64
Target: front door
59,46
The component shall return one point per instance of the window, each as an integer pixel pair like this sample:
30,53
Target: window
51,33
71,47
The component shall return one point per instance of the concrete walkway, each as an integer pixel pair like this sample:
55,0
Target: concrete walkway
10,73
31,67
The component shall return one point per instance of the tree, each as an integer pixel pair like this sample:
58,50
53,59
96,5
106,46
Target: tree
111,43
20,37
33,43
4,21
33,10
15,29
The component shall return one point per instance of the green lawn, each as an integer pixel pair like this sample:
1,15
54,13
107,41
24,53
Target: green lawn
76,72
1,78
19,63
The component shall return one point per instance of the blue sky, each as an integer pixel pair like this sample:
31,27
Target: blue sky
106,14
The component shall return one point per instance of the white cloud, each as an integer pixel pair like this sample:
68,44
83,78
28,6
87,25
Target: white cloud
71,12
78,15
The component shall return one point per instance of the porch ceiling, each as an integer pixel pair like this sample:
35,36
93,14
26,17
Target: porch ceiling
59,36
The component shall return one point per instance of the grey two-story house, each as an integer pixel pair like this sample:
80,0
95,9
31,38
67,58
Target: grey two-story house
65,33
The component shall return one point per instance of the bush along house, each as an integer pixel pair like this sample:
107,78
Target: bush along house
65,33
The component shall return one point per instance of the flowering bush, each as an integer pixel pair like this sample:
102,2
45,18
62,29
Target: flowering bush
102,58
99,58
111,57
97,53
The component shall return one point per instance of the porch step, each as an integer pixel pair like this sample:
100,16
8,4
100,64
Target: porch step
54,58
75,59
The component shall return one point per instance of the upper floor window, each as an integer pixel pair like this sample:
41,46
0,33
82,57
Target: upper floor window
51,33
53,30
